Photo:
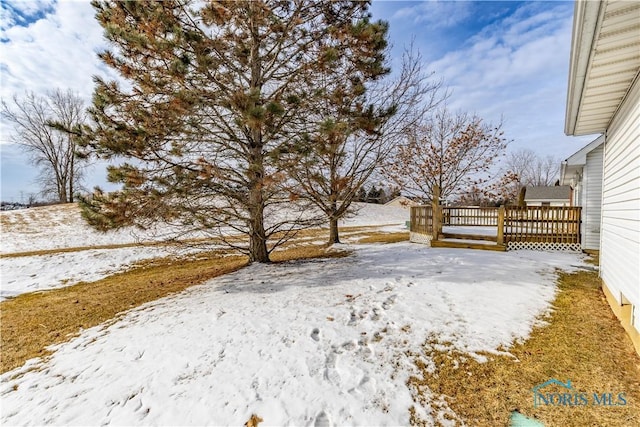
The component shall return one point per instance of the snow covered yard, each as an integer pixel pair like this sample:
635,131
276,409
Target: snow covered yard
322,342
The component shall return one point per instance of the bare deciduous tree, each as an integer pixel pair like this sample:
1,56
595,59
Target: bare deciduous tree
530,169
37,121
358,125
455,151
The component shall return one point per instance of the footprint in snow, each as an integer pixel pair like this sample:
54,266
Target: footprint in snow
353,320
348,346
322,420
388,288
315,334
365,351
330,372
366,386
389,302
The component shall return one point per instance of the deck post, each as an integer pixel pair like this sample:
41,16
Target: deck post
500,240
437,212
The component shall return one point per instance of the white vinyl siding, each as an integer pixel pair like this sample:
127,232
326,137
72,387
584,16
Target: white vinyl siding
591,193
620,232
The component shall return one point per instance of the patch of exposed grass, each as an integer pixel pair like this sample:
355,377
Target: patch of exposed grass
582,342
401,236
31,322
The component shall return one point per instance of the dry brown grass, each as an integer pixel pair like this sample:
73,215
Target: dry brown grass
583,342
401,236
31,322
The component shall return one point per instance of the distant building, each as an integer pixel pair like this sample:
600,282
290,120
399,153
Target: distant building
401,202
556,195
604,98
583,172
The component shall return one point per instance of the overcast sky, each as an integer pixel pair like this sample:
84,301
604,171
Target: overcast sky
500,59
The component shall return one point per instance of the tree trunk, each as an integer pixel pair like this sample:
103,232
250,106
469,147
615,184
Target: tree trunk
72,176
257,235
333,231
62,191
257,239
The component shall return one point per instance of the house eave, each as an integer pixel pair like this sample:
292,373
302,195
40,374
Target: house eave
585,19
579,158
604,63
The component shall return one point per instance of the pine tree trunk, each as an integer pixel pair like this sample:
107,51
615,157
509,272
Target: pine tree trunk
257,240
333,231
257,235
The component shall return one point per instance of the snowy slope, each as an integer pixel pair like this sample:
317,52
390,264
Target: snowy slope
303,343
61,226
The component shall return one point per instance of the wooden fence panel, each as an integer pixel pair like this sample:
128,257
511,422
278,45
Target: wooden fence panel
421,219
546,224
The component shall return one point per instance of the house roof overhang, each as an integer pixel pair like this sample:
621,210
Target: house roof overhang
605,62
574,163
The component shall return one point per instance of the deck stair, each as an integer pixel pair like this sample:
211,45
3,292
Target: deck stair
467,245
468,241
468,237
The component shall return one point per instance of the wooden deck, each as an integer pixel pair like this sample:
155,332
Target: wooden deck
516,227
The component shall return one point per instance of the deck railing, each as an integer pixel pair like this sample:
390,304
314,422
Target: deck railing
533,224
469,216
421,220
546,224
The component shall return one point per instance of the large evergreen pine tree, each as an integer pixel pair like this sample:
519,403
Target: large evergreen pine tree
214,95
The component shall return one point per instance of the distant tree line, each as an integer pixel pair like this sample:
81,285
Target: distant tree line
377,195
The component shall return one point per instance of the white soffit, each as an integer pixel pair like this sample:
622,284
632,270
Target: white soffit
605,61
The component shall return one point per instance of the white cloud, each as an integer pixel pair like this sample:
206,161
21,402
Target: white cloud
57,51
436,14
30,7
22,13
517,68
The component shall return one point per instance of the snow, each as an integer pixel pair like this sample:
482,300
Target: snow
58,227
477,230
319,342
368,214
